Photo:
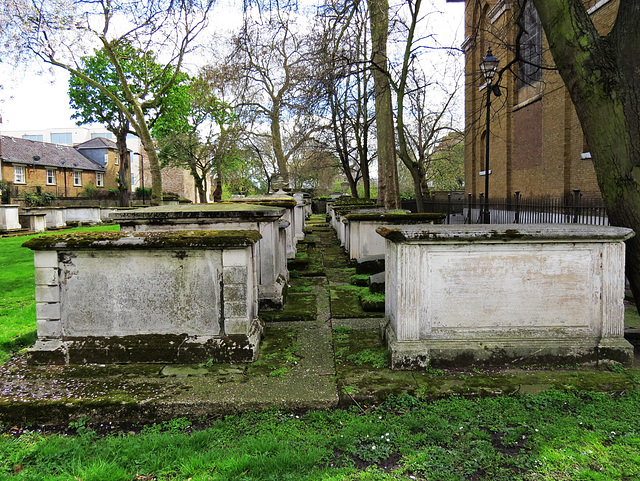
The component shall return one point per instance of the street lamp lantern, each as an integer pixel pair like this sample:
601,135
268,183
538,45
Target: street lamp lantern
489,67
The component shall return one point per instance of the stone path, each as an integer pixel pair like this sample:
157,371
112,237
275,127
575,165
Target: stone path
321,351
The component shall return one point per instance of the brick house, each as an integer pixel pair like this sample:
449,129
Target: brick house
536,143
104,152
57,169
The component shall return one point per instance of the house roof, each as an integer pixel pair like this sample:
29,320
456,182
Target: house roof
97,143
33,152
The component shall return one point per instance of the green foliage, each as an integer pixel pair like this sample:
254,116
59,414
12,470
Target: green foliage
146,77
446,169
5,187
39,198
200,133
89,191
143,193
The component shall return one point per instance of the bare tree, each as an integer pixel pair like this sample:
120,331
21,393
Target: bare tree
60,32
348,89
271,59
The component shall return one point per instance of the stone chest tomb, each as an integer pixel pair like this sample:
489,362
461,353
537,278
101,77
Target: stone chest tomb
175,297
270,250
495,294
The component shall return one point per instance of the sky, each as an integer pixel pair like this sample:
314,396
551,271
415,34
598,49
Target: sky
31,100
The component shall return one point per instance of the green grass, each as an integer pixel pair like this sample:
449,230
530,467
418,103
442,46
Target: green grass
17,291
552,436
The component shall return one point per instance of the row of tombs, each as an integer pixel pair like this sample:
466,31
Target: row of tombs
179,284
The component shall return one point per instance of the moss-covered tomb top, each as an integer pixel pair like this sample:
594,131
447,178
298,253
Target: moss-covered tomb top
525,233
344,209
285,201
185,239
240,211
352,201
398,217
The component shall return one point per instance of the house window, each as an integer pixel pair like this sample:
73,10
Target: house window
117,157
37,138
529,70
77,178
62,138
104,135
51,176
99,179
19,174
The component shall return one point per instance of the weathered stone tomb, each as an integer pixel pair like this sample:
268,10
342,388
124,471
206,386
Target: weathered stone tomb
170,297
9,219
271,257
505,295
361,238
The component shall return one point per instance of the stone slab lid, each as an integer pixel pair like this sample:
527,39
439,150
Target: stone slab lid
274,200
345,209
218,211
185,239
400,217
516,233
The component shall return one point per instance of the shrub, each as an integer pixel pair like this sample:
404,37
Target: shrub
143,192
39,198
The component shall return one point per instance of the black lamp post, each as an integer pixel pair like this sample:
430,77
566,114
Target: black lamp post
64,175
489,66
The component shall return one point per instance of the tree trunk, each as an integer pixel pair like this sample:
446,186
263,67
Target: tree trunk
388,187
417,177
124,172
217,194
278,151
601,76
202,195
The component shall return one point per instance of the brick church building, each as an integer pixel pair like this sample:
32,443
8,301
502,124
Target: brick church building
536,143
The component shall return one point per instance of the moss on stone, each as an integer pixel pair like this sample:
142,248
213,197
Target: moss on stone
285,203
277,352
299,306
344,209
361,280
372,301
145,240
345,302
340,275
399,217
346,200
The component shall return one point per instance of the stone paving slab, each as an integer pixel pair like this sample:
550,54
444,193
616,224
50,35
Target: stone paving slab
148,393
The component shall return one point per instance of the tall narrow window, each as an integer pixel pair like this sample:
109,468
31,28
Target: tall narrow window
99,179
19,174
529,70
51,176
77,178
